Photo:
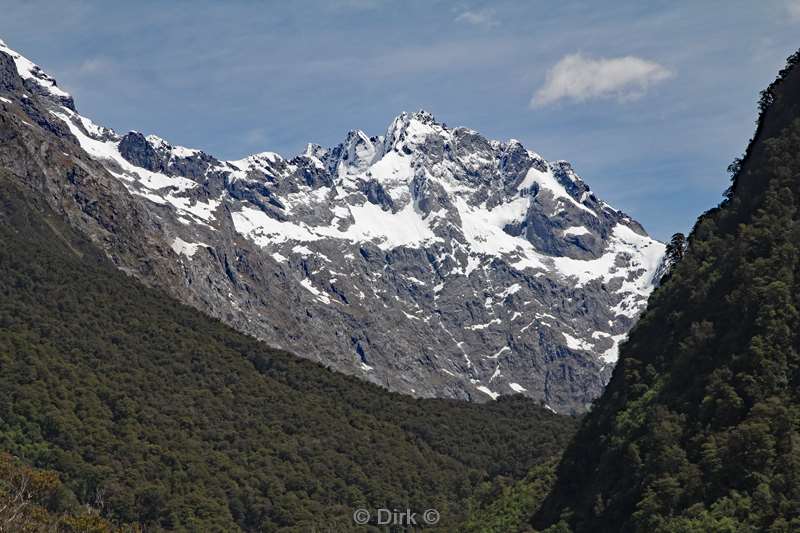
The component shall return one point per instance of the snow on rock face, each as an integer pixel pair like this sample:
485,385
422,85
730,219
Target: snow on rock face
577,230
516,387
181,247
484,389
484,213
37,79
158,187
423,259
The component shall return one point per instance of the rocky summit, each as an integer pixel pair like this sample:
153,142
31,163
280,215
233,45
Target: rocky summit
428,259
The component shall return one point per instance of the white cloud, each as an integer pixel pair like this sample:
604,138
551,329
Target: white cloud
483,17
579,78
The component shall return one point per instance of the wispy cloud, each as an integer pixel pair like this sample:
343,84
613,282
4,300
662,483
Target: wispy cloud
579,78
358,4
448,56
95,65
793,7
255,137
482,17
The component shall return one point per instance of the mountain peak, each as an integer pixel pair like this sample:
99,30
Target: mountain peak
315,151
465,245
36,80
410,129
424,116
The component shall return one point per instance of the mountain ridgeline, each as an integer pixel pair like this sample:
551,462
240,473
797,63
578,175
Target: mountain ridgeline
429,260
699,428
153,414
129,400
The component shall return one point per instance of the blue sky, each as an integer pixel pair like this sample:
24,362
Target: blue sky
650,100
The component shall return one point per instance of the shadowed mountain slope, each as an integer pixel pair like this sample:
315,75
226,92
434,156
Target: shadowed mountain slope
699,428
173,420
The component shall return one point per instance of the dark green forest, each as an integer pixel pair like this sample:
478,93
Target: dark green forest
699,429
121,409
152,413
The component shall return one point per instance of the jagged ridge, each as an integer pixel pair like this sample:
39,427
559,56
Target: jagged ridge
429,259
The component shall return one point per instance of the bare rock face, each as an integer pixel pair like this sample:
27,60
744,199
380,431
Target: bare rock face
429,259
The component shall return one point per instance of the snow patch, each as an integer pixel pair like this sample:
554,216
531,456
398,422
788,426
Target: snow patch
500,352
309,286
387,230
181,247
576,230
516,387
483,326
484,389
574,343
546,180
612,354
513,289
28,70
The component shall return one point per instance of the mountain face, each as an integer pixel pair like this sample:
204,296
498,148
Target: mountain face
153,414
699,428
428,260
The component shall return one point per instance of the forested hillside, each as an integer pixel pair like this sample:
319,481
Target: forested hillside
699,429
155,414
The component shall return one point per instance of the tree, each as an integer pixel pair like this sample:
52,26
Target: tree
675,249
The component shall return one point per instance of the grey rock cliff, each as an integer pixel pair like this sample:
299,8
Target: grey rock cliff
429,260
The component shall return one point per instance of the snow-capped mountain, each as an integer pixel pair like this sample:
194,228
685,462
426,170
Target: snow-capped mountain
428,259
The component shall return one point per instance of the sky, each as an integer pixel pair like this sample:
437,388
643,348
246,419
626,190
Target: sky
650,100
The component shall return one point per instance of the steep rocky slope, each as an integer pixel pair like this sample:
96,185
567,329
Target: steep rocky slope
429,260
152,413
